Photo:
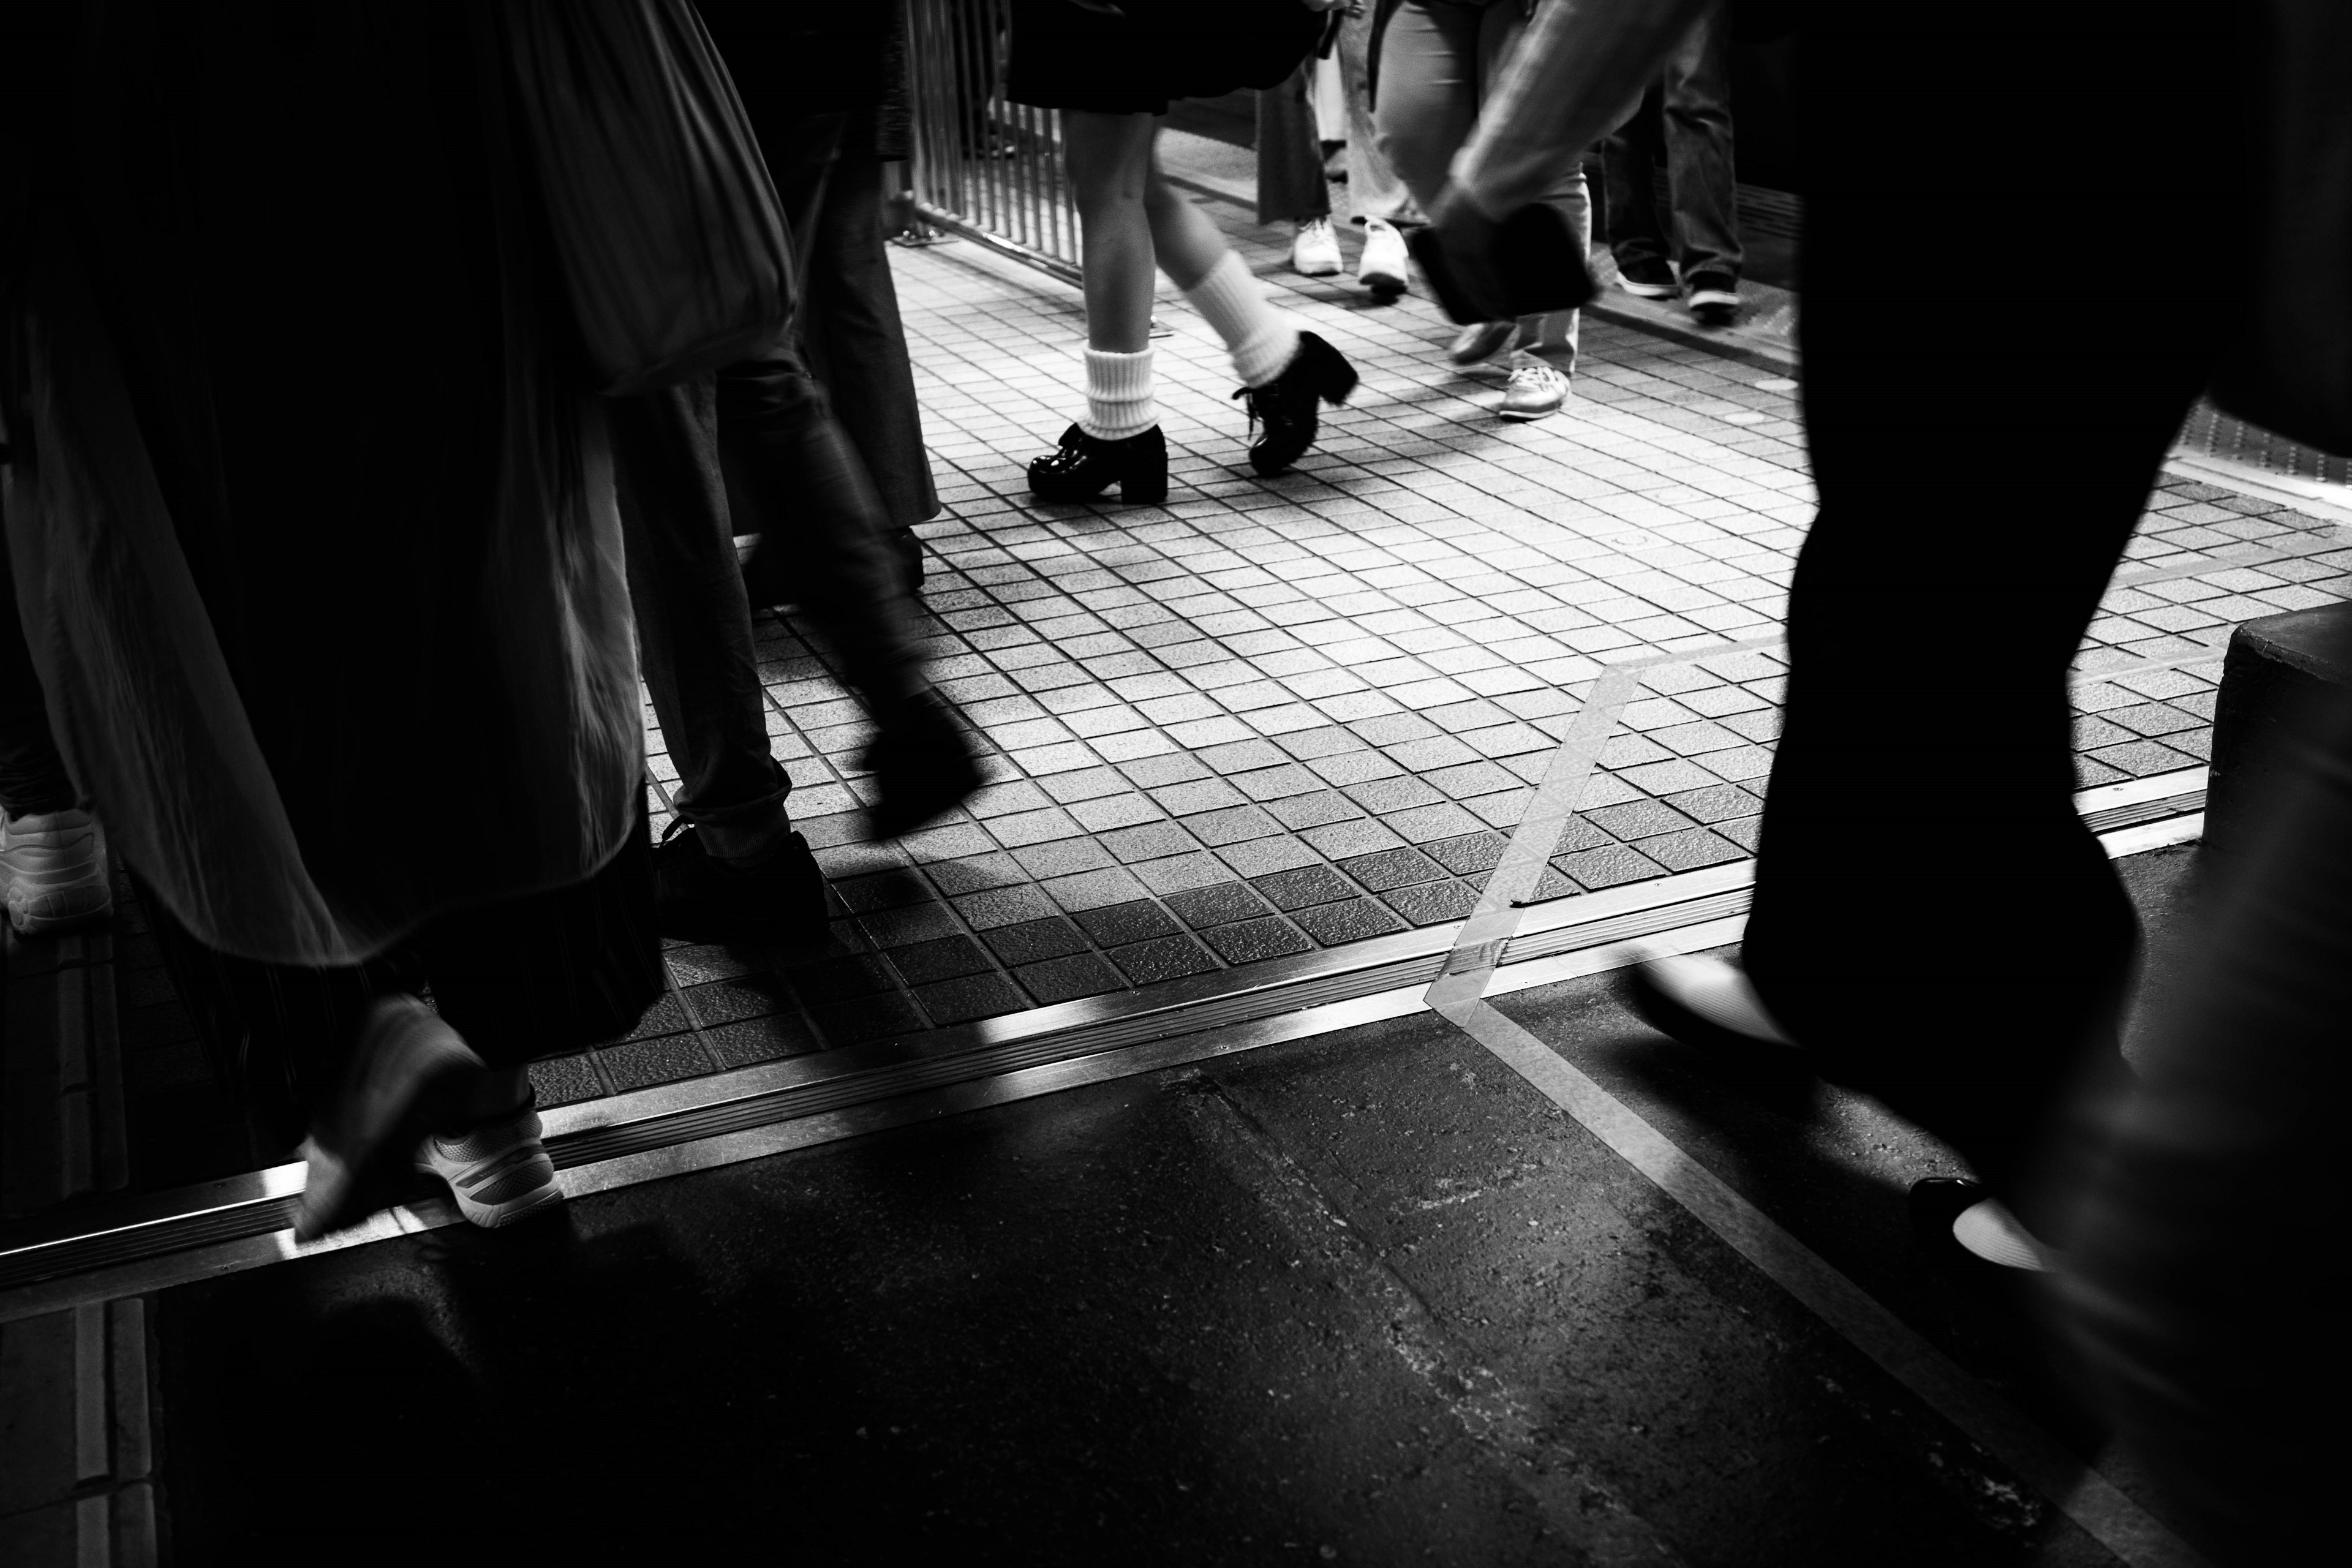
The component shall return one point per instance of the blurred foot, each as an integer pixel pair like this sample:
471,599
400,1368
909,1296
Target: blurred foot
53,872
1477,343
1703,1002
499,1172
924,766
1649,277
1316,252
1949,1213
407,1070
1286,407
1536,387
1381,268
1714,298
775,896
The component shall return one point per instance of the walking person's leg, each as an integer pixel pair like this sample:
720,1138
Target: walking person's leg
1290,184
2001,987
1376,197
826,547
1543,351
1117,441
1283,371
1700,173
855,344
1638,243
829,542
1134,224
1428,105
733,865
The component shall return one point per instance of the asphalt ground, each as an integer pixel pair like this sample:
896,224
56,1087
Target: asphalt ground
1363,1298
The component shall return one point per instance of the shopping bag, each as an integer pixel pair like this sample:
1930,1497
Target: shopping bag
2287,363
665,225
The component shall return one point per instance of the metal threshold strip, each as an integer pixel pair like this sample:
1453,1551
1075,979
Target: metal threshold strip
111,1248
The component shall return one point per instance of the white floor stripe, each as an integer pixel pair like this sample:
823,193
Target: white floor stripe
2088,1498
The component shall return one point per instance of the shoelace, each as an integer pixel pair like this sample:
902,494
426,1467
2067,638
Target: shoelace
1247,397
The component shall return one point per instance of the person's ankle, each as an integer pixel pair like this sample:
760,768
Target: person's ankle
745,846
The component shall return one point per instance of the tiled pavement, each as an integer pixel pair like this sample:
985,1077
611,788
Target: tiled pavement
1274,716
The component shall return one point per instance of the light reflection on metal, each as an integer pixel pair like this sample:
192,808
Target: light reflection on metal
983,166
119,1247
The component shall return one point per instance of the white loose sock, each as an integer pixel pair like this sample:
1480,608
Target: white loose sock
1261,338
1119,394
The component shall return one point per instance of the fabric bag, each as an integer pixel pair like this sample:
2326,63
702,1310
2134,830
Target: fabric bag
2287,365
667,231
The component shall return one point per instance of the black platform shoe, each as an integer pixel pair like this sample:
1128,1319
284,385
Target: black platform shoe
1085,464
1286,405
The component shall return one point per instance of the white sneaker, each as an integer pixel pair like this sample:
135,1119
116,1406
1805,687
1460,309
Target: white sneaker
1383,267
498,1173
1316,252
53,872
1536,387
1480,341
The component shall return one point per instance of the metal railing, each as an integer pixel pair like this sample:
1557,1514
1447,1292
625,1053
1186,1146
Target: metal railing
982,167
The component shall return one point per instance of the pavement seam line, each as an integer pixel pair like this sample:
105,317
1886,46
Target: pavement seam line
2080,1491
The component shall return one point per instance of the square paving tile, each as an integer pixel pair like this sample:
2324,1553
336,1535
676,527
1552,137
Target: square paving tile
1351,680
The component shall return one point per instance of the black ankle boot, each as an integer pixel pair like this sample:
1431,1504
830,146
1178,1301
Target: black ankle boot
1286,405
1086,464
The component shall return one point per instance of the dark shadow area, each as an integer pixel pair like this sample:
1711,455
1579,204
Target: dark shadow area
1833,1167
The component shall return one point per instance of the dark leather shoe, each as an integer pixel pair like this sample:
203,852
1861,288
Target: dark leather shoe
699,898
1085,466
1937,1203
923,765
1285,406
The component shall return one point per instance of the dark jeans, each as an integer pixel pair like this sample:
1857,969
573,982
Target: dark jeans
1688,109
1966,529
33,777
694,622
521,979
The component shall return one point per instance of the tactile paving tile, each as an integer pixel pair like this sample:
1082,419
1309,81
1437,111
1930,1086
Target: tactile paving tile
1271,716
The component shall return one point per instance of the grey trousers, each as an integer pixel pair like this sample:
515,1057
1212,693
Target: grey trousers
1438,58
1290,184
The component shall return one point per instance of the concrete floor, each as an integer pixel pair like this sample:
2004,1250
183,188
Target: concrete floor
1364,1298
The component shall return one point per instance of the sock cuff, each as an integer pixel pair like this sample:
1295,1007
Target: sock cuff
1260,337
1119,394
1118,377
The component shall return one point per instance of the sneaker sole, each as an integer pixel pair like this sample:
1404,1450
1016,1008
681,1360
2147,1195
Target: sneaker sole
1650,291
1332,271
56,911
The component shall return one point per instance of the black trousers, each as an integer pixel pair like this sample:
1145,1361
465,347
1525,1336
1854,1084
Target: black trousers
1932,918
693,621
821,440
850,330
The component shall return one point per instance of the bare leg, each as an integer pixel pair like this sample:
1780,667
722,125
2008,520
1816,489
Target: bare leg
1110,164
